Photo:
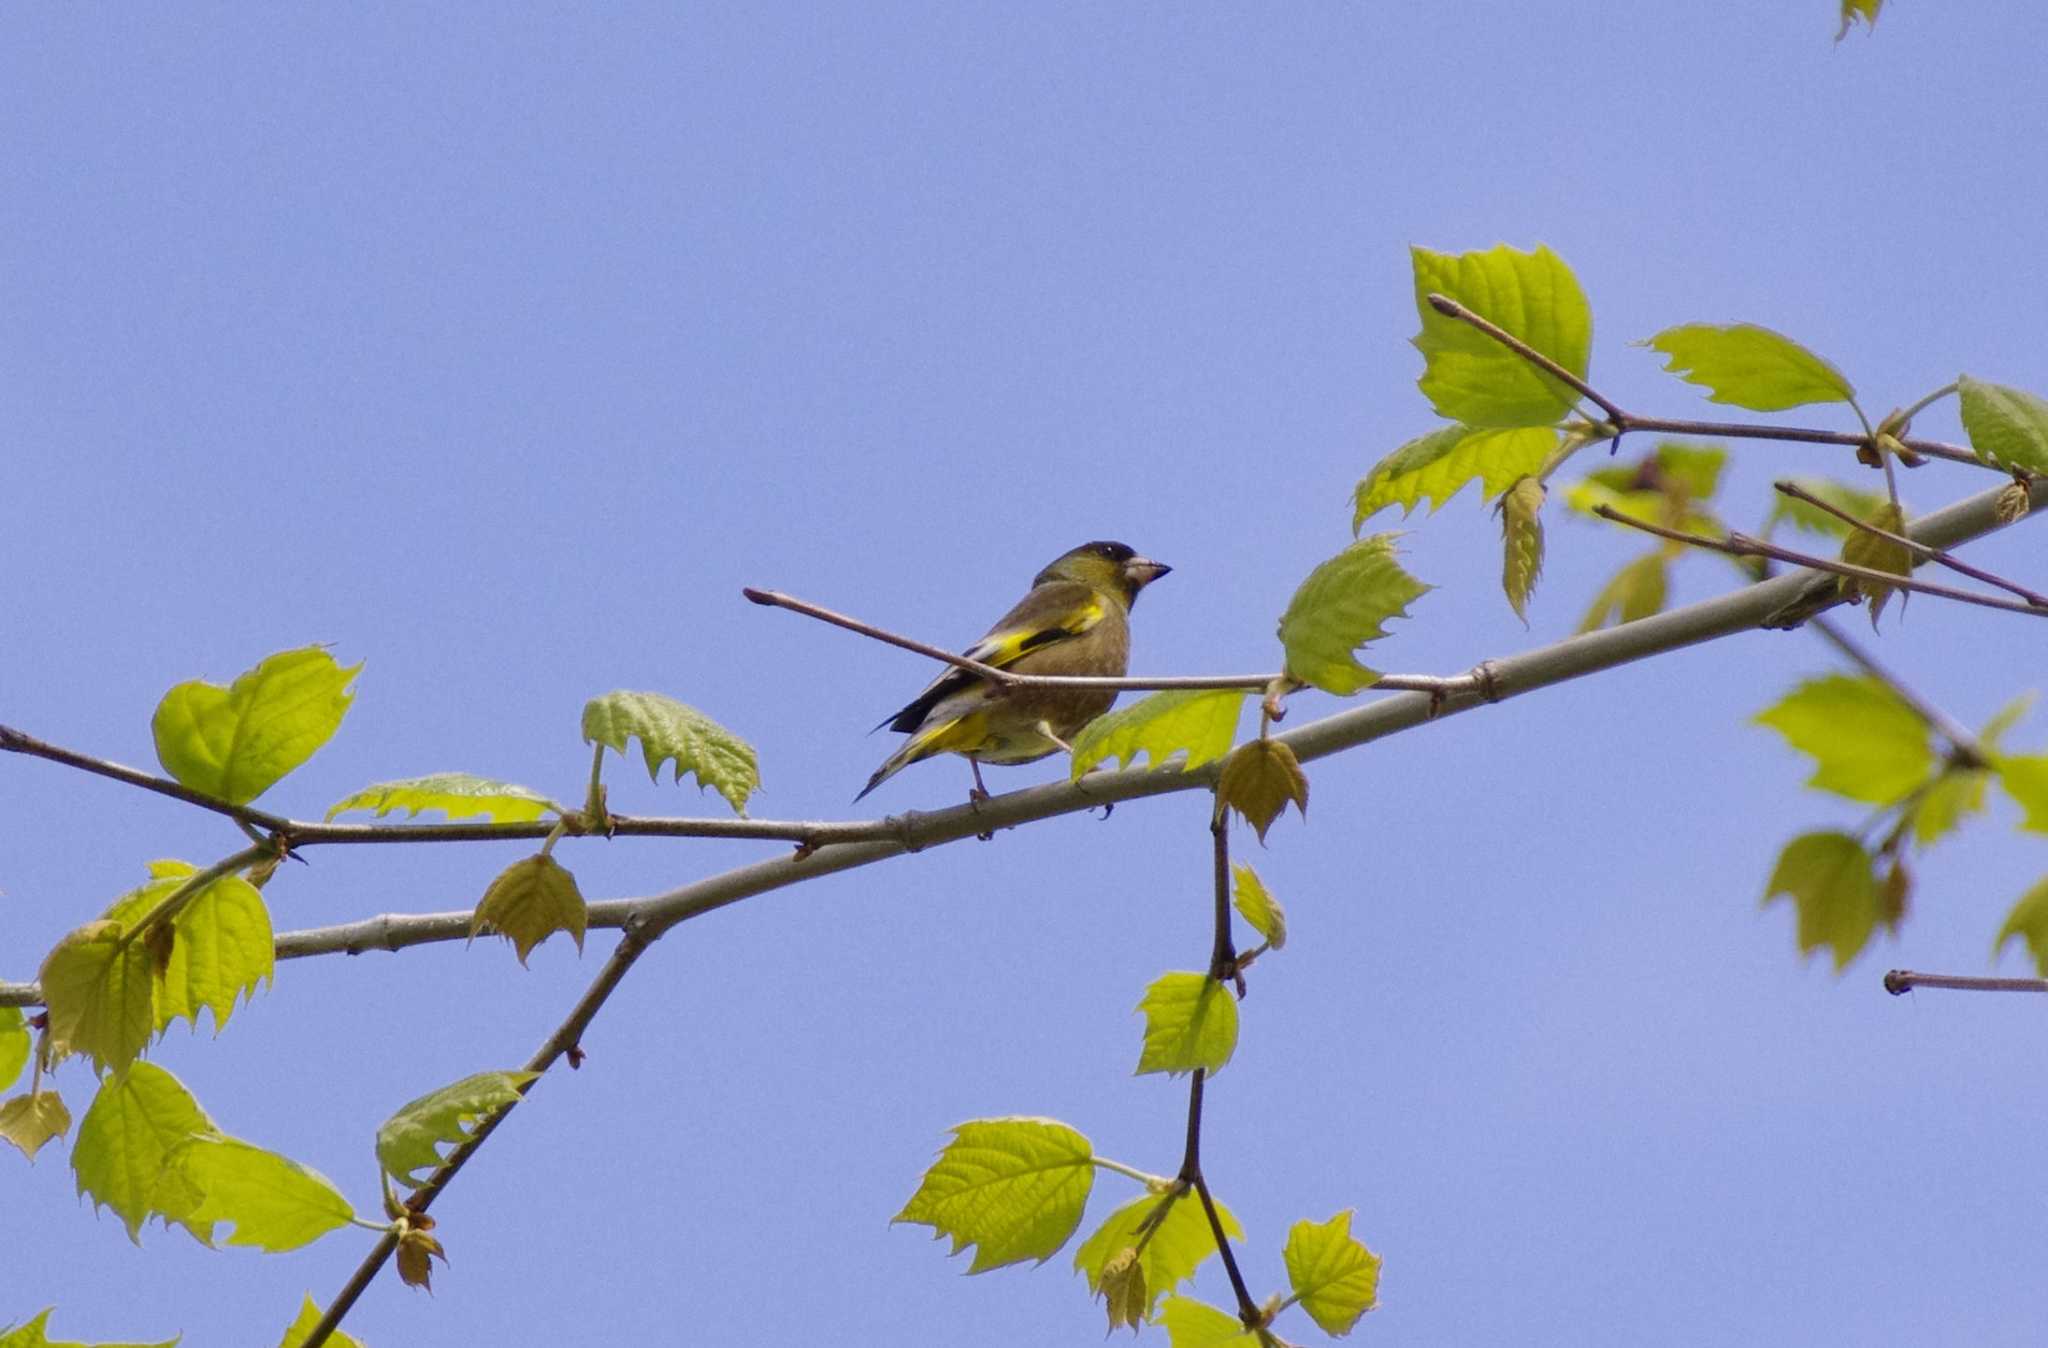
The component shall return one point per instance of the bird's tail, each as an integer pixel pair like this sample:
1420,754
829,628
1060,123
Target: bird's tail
936,738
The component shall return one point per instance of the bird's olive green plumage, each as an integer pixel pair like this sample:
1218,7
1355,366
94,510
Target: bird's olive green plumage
1075,620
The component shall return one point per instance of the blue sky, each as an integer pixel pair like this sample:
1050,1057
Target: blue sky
500,351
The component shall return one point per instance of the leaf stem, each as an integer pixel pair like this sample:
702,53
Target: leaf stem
170,904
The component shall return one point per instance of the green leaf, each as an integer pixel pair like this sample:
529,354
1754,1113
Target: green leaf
532,899
1866,744
1258,779
1521,527
1953,796
1200,723
1468,376
1013,1188
233,743
2028,922
1435,467
134,1123
14,1045
222,949
2025,779
100,990
2008,427
1197,1324
1637,591
1830,879
274,1203
1748,366
1335,1278
410,1141
1878,554
302,1328
459,795
1343,605
28,1121
1190,1022
668,729
1813,520
35,1334
1995,730
1256,905
1855,10
1176,1248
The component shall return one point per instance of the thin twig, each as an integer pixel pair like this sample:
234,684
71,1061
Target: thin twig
1450,308
20,742
1944,725
1953,563
1900,981
1742,545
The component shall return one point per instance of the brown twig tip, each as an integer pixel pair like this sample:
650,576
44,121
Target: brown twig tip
765,597
1445,305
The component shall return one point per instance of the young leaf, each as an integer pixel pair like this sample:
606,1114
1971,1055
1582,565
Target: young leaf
1335,1278
119,1158
35,1334
1829,878
1468,376
410,1141
1258,780
1521,528
301,1328
2015,499
1200,723
100,990
1123,1290
1950,798
532,899
417,1251
2025,779
1197,1324
668,729
1812,519
1748,366
233,743
222,949
2028,922
1855,11
2008,427
1176,1248
1636,591
1435,467
273,1202
28,1121
1343,605
14,1045
1866,743
459,795
1190,1022
1257,906
1879,554
1013,1188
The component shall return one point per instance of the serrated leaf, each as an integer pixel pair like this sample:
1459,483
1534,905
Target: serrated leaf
2025,779
1749,366
1256,905
410,1141
1197,1324
1190,1022
1878,554
2008,427
35,1334
301,1328
669,730
1334,1277
134,1123
234,743
1949,799
417,1251
1468,376
1200,724
1813,520
459,795
1343,605
1176,1248
15,1043
1854,11
1435,467
1521,527
1636,591
28,1121
1866,744
100,990
2028,922
1013,1188
223,950
532,899
1258,780
272,1201
1830,880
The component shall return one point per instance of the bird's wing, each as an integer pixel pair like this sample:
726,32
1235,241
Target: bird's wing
1056,611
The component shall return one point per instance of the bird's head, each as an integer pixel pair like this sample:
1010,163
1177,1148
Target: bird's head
1113,568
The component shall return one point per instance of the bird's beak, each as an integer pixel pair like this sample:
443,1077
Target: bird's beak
1142,571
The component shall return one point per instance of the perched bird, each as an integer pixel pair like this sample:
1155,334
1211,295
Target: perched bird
1076,620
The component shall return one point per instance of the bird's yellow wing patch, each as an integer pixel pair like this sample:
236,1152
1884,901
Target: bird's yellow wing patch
1005,647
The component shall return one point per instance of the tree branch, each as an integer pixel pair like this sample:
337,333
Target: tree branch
1901,981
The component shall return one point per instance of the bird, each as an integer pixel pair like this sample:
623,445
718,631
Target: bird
1075,620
